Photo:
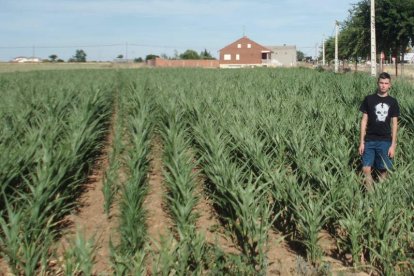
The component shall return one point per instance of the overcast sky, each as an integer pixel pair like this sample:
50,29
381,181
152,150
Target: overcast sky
107,28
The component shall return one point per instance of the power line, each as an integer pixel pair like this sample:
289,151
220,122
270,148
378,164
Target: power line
59,47
92,46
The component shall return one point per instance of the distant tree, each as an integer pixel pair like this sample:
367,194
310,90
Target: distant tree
164,56
308,59
80,56
151,56
394,27
206,55
343,48
60,60
300,56
190,54
329,49
53,58
176,55
120,56
138,59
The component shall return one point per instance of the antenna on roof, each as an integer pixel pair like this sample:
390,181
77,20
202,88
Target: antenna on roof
244,30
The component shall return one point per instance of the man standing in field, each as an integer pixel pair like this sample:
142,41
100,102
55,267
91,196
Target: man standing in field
379,124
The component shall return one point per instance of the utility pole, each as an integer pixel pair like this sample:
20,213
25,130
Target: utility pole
316,54
336,46
323,51
373,41
126,51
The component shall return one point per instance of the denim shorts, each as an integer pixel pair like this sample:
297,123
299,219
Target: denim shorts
376,155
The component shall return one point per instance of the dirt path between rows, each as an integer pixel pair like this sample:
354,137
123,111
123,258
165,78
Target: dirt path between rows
282,260
90,219
208,223
158,222
92,222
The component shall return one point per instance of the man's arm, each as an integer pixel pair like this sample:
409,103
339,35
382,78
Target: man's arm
364,122
391,151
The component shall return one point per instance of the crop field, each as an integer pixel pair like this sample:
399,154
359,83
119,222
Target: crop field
9,67
198,172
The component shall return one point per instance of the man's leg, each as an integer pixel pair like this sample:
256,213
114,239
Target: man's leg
368,180
382,175
367,162
382,161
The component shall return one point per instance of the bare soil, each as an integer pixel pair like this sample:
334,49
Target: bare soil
4,269
159,223
208,223
90,218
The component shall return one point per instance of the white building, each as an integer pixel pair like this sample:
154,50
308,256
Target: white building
26,60
409,57
284,56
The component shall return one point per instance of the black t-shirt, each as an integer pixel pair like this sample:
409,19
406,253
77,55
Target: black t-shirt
380,110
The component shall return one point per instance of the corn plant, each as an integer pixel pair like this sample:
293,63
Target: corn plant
354,222
137,125
61,135
179,173
111,179
79,257
261,135
243,202
282,128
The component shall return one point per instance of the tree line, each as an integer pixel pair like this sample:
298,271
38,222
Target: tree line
188,54
394,31
80,56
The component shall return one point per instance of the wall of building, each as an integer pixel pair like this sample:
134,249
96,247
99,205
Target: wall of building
246,55
285,56
194,63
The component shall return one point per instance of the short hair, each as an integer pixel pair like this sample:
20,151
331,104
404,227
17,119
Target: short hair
384,75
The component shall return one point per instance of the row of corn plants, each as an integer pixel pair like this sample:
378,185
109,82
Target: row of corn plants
274,144
189,248
327,166
58,137
262,158
111,180
185,250
298,130
136,129
242,199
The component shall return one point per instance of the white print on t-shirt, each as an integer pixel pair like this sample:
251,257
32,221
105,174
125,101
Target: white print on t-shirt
381,110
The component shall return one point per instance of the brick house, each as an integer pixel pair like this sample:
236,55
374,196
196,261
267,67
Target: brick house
244,52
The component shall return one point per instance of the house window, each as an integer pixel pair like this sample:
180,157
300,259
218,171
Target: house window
227,57
249,45
237,57
239,45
